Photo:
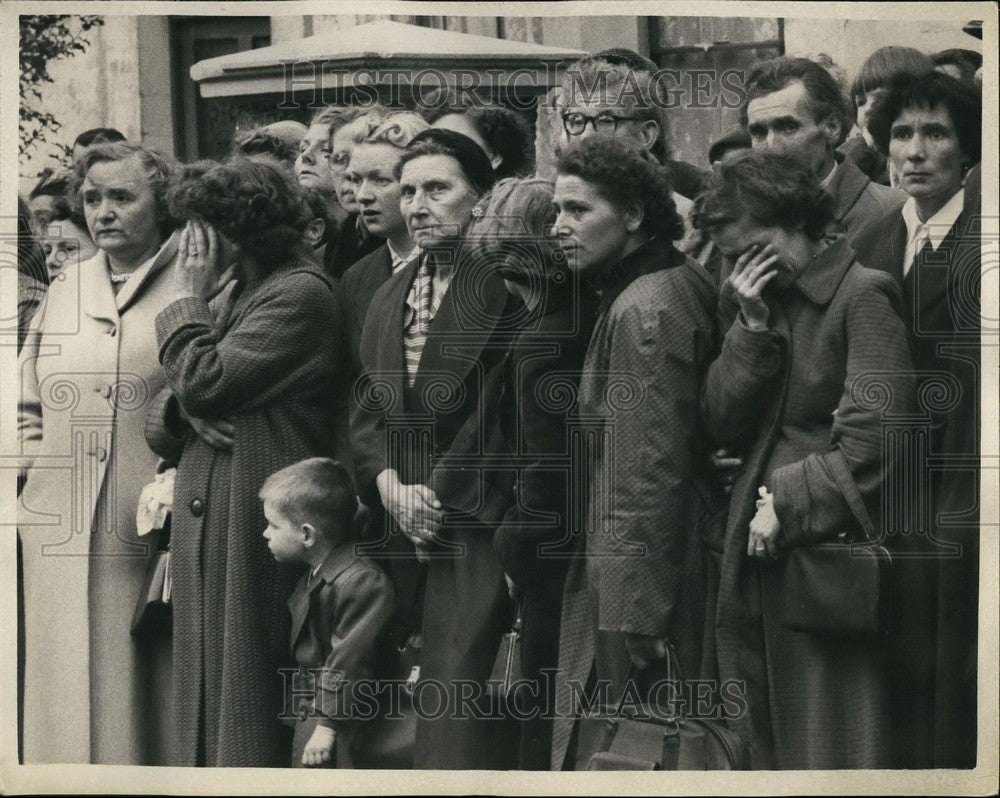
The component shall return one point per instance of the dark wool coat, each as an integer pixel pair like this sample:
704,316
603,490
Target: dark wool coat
803,403
535,540
346,247
643,568
268,364
442,432
338,616
356,289
935,701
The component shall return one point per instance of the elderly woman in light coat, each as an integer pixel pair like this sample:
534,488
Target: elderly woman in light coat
89,366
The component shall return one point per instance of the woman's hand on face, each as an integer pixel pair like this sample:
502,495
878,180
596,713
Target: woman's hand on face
764,528
197,272
753,270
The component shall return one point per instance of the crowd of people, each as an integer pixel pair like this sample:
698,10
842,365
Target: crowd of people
415,395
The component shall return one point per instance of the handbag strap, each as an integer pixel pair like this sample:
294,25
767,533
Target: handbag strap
852,495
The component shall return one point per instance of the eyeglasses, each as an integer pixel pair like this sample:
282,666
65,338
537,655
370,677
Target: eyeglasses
576,123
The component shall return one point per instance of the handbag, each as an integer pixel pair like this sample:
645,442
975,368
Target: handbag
153,615
840,587
508,670
644,737
385,742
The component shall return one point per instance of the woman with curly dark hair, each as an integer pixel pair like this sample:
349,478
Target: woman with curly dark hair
808,329
642,374
251,388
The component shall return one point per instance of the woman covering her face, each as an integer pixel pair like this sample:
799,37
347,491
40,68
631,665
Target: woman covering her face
808,328
252,387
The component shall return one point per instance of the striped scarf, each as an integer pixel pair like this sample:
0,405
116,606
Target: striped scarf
423,305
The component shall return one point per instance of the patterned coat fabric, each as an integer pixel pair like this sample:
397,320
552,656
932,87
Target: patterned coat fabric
643,567
88,373
268,364
936,692
803,403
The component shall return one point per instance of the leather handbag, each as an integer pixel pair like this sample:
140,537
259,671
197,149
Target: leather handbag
839,587
153,614
507,669
389,741
651,738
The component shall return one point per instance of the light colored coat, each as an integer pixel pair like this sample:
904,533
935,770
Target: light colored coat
88,370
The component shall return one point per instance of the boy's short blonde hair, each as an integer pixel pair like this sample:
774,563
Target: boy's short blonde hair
316,491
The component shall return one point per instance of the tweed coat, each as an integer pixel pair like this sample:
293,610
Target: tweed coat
88,372
269,365
643,563
442,433
802,403
857,199
935,688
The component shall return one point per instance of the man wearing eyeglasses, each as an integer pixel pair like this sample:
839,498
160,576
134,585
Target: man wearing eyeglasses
610,93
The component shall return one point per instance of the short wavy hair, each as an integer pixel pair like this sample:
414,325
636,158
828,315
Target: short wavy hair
933,90
161,171
826,98
257,205
316,491
774,190
397,130
624,173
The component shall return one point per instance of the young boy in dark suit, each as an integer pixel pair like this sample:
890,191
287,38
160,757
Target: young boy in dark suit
339,608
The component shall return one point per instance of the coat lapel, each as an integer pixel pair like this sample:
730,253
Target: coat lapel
145,273
847,186
468,327
390,341
820,281
298,603
96,295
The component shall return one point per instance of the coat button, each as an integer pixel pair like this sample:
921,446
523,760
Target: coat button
101,454
197,508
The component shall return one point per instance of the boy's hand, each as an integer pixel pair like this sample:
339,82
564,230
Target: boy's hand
319,749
